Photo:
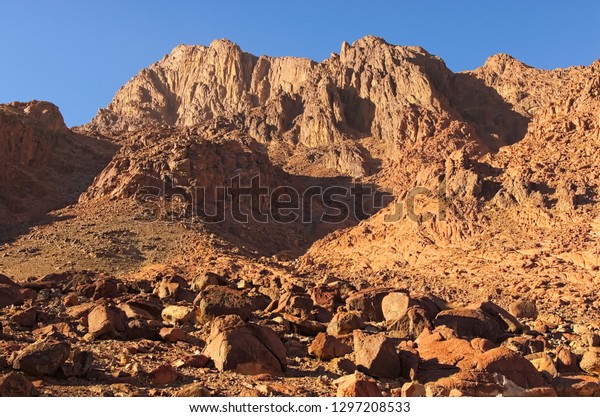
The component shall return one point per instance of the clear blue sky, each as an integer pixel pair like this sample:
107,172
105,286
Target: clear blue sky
78,53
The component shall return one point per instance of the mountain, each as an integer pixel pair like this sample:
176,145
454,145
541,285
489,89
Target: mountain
374,212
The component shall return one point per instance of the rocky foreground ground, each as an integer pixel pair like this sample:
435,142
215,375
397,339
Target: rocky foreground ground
487,286
163,334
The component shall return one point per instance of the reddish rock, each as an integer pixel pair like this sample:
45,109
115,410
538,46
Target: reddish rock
42,358
512,365
304,327
524,309
368,302
193,390
174,335
106,320
299,305
469,323
14,384
524,344
482,345
106,288
590,362
327,347
409,363
506,321
26,318
357,385
543,363
376,355
163,375
208,279
410,325
577,385
441,349
10,292
326,296
64,329
249,349
413,389
217,301
344,323
195,361
178,314
566,361
70,300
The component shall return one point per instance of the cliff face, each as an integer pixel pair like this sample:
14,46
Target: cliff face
402,98
44,165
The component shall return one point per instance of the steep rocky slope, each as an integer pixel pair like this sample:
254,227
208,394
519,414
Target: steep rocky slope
44,166
373,104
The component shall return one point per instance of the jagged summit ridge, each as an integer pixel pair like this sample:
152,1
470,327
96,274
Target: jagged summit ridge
402,97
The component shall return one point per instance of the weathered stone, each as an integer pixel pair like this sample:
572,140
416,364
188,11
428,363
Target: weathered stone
566,360
395,305
304,326
376,355
357,385
217,301
543,363
512,365
163,375
249,349
64,329
178,315
106,320
410,325
590,362
10,293
506,321
327,347
368,302
577,385
14,384
174,335
143,329
344,323
193,390
299,305
207,279
524,309
42,358
469,323
441,349
326,296
413,389
26,318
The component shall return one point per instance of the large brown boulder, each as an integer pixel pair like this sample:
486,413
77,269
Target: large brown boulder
14,384
248,349
410,325
376,355
590,362
10,292
345,322
512,365
469,324
368,302
357,385
218,300
42,358
327,347
106,320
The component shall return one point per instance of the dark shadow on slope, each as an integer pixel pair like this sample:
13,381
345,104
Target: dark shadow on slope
495,121
29,200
